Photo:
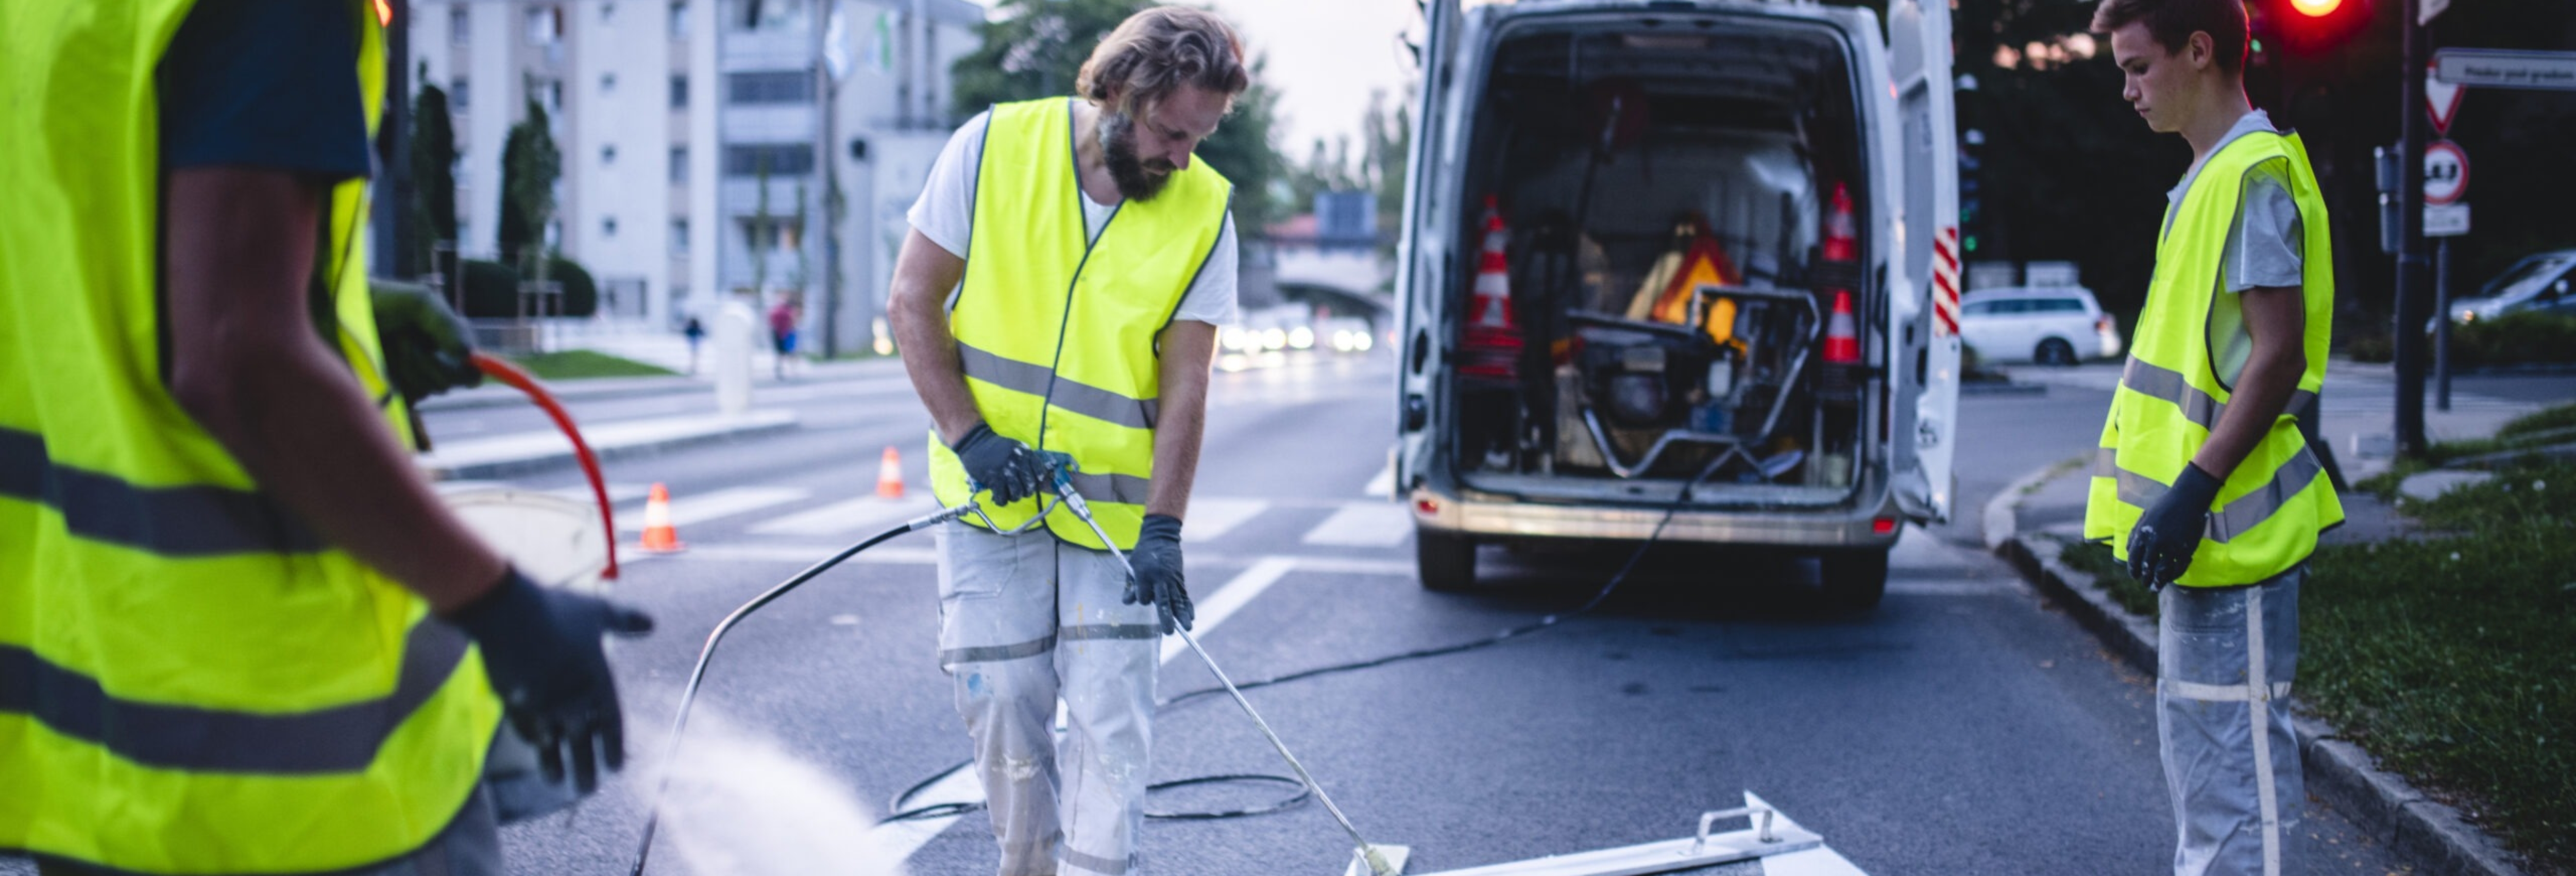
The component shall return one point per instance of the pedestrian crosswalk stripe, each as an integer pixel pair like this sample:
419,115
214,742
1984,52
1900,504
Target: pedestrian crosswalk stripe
1211,518
1364,524
848,517
616,492
716,505
1383,485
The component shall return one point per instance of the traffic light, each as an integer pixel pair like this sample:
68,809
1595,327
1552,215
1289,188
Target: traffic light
2309,28
1971,189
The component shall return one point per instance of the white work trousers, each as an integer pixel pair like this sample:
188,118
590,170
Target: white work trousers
1024,620
2225,659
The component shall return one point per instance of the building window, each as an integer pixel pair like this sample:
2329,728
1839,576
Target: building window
460,26
768,14
607,83
679,164
781,159
608,226
545,25
551,91
679,91
769,87
457,94
608,154
680,237
679,19
607,11
773,236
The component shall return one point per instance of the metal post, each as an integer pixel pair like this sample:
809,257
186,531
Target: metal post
825,163
2411,267
2442,325
392,217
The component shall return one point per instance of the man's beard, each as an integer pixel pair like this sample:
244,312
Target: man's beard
1118,150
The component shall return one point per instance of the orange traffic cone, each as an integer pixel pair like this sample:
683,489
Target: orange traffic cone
890,475
1492,346
1842,336
659,536
1842,237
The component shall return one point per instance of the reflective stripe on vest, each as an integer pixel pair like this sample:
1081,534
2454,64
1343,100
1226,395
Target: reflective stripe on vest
191,680
1057,332
2269,511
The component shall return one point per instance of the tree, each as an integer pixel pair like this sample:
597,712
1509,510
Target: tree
1035,48
433,163
530,165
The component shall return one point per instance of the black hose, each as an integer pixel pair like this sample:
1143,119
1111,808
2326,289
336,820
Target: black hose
689,695
945,809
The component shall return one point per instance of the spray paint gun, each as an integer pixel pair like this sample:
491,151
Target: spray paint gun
1386,860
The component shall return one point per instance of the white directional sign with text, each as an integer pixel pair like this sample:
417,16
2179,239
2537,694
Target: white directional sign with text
2502,68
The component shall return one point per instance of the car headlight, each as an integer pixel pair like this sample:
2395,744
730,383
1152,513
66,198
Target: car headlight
1275,339
1301,338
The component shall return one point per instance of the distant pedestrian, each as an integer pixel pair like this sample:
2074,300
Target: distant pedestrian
782,334
695,332
2203,480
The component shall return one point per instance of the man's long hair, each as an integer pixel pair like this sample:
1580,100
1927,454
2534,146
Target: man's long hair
1155,52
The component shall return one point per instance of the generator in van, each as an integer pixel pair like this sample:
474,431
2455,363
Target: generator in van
1683,270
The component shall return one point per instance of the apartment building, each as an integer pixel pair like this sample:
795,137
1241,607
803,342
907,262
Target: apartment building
667,113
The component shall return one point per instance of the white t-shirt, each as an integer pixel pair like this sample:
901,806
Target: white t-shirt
946,214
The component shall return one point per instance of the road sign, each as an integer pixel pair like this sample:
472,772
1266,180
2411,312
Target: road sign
2443,100
2446,173
2501,68
2446,220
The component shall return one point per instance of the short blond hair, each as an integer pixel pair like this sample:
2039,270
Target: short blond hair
1155,52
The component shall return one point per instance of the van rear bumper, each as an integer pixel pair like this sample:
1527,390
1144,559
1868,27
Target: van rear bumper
1817,529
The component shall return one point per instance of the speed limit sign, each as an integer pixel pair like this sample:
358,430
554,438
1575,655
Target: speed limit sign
2446,173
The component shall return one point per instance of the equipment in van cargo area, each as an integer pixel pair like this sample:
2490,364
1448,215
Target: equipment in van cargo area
1672,278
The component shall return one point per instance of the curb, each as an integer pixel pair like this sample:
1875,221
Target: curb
556,458
2381,803
569,391
1999,388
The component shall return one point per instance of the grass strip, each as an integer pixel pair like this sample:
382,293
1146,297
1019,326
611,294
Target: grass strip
582,364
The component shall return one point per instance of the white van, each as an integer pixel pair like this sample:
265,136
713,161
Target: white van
1798,395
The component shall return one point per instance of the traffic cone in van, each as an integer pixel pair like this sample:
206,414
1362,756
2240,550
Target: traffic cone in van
1492,347
659,536
1842,235
890,475
1842,335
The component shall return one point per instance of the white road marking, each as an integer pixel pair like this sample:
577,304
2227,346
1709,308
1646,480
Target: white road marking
722,503
851,516
1211,518
1364,524
1383,485
905,838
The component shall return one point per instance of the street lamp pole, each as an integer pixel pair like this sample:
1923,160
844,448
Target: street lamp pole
2412,271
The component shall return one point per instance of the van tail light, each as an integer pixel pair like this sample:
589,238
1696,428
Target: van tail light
2102,324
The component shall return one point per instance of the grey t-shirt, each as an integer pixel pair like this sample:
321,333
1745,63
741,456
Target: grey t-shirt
2265,248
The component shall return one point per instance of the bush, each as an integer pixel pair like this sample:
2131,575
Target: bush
2515,339
491,290
580,292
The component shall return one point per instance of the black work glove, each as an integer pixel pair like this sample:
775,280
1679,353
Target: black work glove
1157,561
2160,547
1003,465
541,650
427,348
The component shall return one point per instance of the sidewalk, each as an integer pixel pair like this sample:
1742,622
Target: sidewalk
505,455
2030,521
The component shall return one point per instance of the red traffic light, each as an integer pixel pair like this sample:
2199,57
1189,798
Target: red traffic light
2315,8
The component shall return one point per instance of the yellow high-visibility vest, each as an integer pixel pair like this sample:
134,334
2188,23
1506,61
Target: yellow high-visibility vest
2270,510
191,681
1057,334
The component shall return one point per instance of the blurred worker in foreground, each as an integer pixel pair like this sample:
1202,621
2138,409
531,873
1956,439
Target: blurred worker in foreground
1102,262
2203,480
238,631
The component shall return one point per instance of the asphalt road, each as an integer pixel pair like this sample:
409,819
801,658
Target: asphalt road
1963,727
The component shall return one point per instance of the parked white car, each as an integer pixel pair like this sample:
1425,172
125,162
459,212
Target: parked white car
2050,326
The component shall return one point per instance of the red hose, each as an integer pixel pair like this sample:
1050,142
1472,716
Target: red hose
501,370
